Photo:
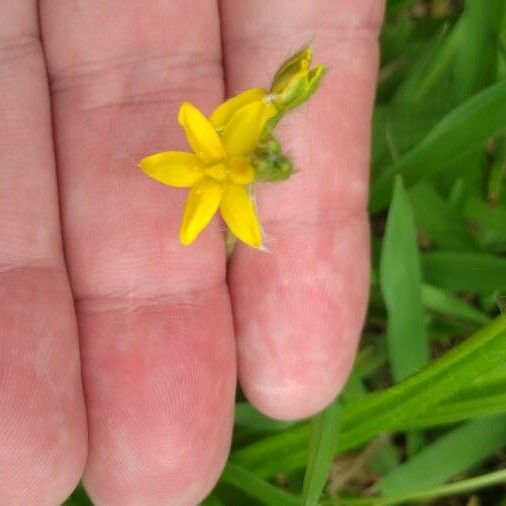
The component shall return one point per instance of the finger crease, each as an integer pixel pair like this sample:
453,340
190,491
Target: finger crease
194,297
134,79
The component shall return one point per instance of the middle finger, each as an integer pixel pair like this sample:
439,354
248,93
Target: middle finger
155,324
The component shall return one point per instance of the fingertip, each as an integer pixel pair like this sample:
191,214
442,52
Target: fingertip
290,399
34,476
43,433
148,481
298,316
299,384
161,383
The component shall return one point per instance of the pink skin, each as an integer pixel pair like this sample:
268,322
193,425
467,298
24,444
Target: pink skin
298,310
156,330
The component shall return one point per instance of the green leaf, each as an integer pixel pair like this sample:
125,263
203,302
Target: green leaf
247,416
455,452
497,175
324,434
442,302
78,498
401,285
246,481
370,358
431,65
464,271
393,40
461,131
439,301
477,49
395,132
281,452
441,223
480,406
483,213
443,378
212,500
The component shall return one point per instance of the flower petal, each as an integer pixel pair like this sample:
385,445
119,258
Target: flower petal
203,201
239,214
243,131
241,171
201,135
173,168
226,110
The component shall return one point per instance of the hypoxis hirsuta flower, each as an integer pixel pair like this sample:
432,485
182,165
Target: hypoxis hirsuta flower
233,149
218,171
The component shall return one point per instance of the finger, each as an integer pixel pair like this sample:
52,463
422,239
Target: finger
299,308
42,418
154,316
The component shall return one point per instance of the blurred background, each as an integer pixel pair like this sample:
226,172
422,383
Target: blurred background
422,419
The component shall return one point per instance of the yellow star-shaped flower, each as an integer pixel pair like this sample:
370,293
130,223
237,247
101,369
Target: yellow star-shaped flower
234,148
218,171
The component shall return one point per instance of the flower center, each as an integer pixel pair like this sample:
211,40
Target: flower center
218,171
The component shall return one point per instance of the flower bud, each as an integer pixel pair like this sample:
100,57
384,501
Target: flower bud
298,62
295,82
269,163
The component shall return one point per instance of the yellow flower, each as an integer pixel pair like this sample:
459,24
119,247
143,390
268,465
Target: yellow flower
218,171
234,148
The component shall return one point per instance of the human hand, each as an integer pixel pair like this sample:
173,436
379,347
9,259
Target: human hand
155,319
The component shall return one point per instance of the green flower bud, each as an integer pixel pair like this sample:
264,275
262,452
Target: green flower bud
294,88
298,62
314,77
269,163
295,82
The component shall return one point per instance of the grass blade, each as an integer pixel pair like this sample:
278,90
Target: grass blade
322,446
455,452
401,284
477,56
454,412
443,378
432,64
441,223
461,131
464,271
246,481
442,302
459,487
247,416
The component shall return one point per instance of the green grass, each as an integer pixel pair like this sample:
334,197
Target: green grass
423,417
